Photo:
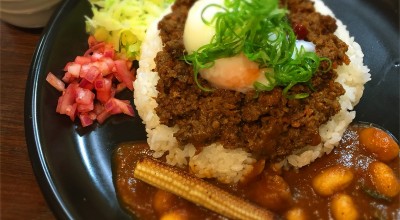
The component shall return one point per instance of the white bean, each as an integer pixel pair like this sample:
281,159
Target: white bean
332,180
384,179
343,207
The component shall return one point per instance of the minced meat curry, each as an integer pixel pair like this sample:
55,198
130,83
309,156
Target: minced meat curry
267,123
359,179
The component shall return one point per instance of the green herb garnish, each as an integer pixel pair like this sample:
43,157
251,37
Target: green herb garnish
261,30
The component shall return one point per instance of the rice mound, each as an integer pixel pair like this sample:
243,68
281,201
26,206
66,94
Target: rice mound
230,165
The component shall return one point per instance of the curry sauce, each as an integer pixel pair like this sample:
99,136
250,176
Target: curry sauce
352,182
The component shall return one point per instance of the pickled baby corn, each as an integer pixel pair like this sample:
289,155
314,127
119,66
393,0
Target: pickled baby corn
198,191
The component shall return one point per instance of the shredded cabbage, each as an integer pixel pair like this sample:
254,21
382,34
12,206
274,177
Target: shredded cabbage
124,22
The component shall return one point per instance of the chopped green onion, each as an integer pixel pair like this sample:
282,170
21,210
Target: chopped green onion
261,30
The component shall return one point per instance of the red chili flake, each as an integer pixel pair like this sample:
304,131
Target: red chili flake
300,31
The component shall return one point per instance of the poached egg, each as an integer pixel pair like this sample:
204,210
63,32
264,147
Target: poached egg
236,73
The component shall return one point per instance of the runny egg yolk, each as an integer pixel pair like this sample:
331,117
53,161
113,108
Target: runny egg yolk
234,73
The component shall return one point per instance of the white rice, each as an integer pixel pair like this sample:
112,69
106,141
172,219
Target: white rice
227,165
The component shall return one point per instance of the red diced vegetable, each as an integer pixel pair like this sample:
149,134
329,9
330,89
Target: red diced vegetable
103,84
90,93
123,74
85,120
68,77
74,69
86,84
116,106
109,51
92,74
96,56
71,111
98,108
112,107
68,98
84,96
125,106
99,84
92,115
59,104
55,82
94,48
110,63
82,60
67,65
85,107
103,67
85,69
103,88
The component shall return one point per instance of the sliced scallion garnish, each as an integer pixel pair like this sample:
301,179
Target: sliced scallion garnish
261,30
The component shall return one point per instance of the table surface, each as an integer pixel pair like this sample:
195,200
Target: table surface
21,197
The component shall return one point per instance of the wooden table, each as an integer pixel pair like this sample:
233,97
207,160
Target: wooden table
21,197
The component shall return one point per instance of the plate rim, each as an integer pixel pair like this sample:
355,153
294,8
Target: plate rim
32,134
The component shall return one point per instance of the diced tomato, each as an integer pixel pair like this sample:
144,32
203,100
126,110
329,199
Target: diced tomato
74,69
82,60
103,67
110,63
58,108
96,56
55,82
103,89
98,108
92,74
99,84
92,115
125,106
68,77
85,120
86,84
91,89
112,107
109,51
71,111
94,48
103,83
85,69
67,65
84,96
85,107
68,98
116,106
123,74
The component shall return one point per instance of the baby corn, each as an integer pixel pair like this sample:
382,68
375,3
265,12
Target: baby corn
198,191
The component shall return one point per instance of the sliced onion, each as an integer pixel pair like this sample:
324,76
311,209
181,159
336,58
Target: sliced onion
55,82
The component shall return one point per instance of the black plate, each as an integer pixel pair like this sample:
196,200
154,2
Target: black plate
73,165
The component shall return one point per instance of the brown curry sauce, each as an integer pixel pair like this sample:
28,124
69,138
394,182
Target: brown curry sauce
278,190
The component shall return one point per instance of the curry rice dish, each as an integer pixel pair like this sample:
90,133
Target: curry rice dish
222,134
